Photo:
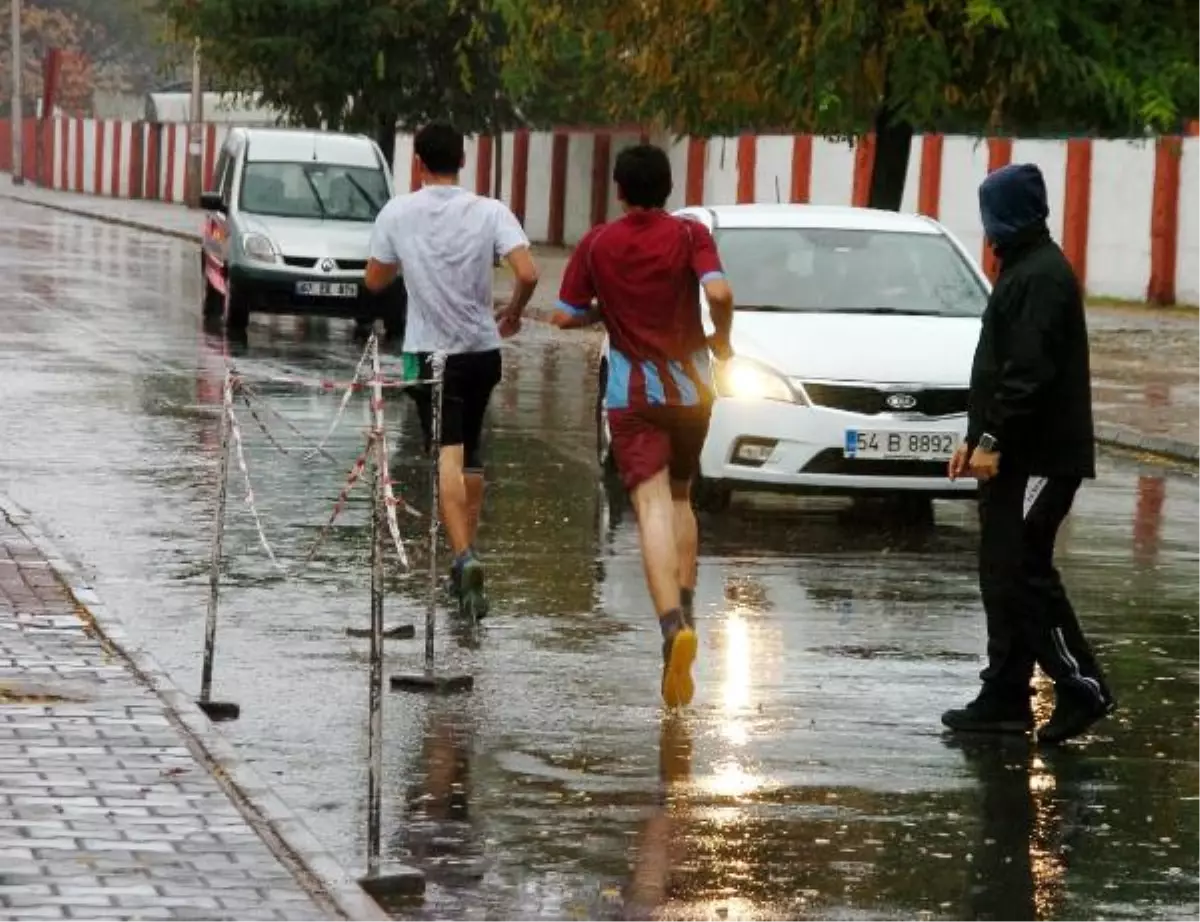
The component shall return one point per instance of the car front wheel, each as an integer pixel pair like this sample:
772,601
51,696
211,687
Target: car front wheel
603,439
711,496
914,508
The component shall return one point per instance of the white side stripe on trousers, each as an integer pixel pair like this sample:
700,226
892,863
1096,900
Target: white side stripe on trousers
1033,489
1060,644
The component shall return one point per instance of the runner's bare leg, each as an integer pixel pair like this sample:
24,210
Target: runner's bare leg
474,485
655,510
687,538
453,490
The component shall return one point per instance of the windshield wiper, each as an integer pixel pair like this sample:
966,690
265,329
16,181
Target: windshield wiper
316,194
881,310
361,190
771,309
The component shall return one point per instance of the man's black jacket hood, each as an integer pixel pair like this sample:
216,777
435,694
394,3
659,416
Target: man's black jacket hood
1012,200
1030,381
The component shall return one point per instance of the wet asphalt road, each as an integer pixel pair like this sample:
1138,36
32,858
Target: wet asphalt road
809,779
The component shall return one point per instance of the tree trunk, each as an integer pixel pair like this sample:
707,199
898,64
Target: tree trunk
385,137
893,144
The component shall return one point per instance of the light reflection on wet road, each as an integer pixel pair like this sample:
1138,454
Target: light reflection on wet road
810,779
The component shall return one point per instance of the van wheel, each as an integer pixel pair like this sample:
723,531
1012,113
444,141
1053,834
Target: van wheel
395,311
237,310
214,301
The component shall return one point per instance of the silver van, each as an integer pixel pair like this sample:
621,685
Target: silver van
288,228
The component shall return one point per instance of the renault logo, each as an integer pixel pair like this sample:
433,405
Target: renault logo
328,265
901,401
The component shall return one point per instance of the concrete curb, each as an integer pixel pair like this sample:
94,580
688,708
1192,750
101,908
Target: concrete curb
1161,446
332,887
144,226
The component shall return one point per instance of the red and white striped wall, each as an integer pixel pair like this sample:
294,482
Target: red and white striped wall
1127,213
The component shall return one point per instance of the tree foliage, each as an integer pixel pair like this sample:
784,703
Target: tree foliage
1107,67
41,30
367,66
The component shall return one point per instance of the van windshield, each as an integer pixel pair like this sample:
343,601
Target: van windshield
313,190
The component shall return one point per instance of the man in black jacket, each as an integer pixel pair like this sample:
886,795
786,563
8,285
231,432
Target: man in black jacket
1030,444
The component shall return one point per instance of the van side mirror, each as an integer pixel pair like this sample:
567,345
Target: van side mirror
212,201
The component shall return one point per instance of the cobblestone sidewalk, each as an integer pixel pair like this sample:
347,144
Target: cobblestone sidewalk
105,810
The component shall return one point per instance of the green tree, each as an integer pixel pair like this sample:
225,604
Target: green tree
367,66
845,67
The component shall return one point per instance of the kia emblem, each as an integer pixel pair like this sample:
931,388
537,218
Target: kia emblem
328,265
901,401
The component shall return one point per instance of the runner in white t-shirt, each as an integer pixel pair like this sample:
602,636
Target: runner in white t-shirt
447,240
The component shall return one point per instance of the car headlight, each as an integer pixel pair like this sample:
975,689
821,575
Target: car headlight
748,380
258,247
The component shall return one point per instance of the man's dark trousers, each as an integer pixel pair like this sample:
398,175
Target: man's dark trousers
1029,617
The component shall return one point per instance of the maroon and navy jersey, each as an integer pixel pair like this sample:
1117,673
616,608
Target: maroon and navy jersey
646,270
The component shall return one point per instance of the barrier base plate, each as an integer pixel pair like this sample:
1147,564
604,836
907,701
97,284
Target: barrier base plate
399,632
433,683
393,881
220,710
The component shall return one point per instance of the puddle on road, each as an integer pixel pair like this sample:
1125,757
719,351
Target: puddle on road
809,780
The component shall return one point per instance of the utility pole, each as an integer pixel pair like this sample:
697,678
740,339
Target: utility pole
195,154
18,112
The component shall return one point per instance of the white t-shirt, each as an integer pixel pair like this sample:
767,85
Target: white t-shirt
446,240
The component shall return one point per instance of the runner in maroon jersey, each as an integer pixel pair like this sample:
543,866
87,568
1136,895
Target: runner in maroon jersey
641,275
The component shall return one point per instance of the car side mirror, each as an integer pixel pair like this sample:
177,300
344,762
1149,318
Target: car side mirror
212,201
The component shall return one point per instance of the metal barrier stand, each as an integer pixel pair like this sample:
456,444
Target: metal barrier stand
390,879
429,680
217,710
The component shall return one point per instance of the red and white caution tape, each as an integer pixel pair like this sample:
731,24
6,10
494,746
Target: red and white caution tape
329,384
381,447
352,479
350,389
236,432
250,391
283,449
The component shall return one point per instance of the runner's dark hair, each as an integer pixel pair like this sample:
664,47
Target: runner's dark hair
643,176
440,147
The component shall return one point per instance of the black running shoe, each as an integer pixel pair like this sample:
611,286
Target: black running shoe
990,713
466,586
1074,714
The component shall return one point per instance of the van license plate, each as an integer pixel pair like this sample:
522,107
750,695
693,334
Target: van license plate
327,289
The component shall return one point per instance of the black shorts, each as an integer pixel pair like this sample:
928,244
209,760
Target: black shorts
470,379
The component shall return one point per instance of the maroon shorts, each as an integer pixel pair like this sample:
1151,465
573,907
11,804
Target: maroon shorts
648,439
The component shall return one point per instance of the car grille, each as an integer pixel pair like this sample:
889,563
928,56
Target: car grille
832,461
310,262
870,401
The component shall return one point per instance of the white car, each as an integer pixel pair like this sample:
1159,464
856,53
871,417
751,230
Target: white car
853,338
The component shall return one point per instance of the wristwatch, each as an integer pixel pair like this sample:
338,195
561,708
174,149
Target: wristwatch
988,443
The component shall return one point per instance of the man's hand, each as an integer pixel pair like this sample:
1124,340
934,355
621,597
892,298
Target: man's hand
984,464
958,463
569,320
508,322
720,346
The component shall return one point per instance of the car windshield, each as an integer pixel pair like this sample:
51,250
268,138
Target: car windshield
792,270
313,190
